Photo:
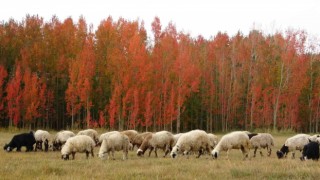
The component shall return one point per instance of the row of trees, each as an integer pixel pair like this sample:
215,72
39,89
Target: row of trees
63,75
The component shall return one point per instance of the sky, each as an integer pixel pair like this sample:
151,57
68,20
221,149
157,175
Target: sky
196,17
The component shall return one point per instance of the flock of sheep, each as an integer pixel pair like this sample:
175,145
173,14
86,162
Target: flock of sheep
195,141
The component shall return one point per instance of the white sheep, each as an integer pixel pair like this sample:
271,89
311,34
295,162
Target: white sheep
44,137
61,138
292,144
91,133
192,141
262,140
79,143
163,140
233,140
114,142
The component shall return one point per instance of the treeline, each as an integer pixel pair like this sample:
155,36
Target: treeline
61,74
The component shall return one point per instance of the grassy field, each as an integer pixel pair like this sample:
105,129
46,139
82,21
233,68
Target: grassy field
41,165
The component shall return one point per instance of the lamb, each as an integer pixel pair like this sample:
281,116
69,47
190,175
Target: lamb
292,144
42,136
233,140
20,140
90,132
115,142
192,141
61,138
163,140
262,140
310,151
131,135
79,143
137,141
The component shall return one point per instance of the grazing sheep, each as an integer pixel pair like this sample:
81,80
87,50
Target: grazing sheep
192,141
163,140
44,137
114,142
79,143
262,140
91,133
131,135
137,141
310,151
19,140
233,140
61,138
292,144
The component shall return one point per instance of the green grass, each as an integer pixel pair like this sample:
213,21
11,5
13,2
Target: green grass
41,165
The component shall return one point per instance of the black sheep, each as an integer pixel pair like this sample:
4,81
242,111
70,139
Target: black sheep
19,140
310,151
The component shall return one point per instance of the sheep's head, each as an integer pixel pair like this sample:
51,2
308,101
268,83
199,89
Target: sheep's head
101,156
140,152
174,152
215,154
65,156
7,148
56,146
302,158
280,154
284,150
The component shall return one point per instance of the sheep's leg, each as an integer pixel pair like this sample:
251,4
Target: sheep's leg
261,153
255,151
73,154
112,153
199,154
18,148
293,154
92,154
46,145
167,150
244,152
269,152
125,154
228,154
155,152
40,145
29,148
151,149
87,154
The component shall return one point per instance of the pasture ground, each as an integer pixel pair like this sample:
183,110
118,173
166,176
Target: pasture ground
41,165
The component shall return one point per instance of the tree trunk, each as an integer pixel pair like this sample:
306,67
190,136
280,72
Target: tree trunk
275,110
317,116
310,97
